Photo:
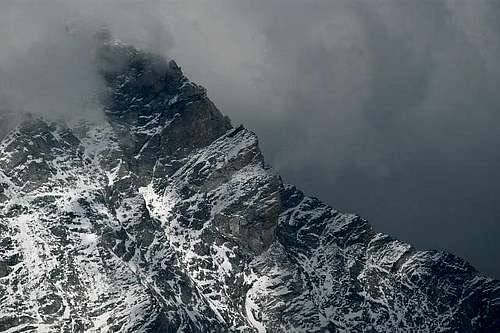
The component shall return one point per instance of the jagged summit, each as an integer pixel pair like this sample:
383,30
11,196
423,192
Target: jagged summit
165,218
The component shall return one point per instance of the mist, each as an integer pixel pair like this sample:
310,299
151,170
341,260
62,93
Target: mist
46,63
389,109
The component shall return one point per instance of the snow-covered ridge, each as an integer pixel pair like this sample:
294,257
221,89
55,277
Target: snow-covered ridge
165,218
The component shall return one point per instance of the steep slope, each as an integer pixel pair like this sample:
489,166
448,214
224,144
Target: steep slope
165,218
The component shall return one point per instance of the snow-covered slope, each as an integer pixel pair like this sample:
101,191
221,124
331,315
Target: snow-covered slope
165,218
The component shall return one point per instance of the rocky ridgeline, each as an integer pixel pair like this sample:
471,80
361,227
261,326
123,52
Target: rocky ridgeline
165,218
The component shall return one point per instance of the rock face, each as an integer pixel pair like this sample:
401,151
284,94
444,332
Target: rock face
165,218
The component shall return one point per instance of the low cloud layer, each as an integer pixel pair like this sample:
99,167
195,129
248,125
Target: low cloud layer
386,108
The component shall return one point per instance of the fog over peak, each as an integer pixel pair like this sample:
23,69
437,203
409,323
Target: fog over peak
385,108
47,65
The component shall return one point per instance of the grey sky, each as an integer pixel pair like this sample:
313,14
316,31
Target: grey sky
387,108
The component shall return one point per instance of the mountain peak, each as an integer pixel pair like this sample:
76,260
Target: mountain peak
163,217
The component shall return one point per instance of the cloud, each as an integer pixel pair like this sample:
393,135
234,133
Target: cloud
385,108
46,64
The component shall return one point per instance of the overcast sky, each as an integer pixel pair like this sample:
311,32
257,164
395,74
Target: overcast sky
389,109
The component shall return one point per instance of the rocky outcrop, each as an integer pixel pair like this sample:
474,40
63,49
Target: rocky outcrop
165,218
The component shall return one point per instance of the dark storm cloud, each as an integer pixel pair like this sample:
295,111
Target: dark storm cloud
385,108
